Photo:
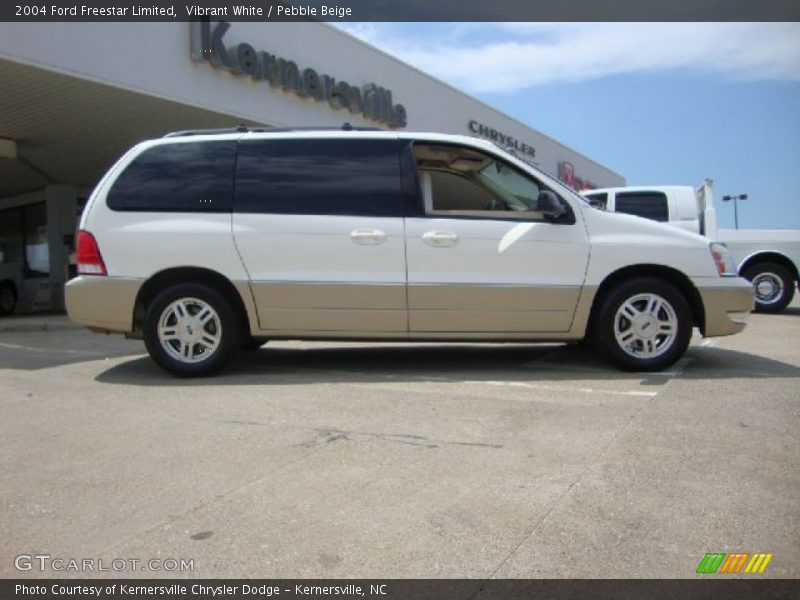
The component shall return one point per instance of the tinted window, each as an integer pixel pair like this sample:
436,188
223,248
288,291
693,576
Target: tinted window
597,200
195,176
650,205
319,177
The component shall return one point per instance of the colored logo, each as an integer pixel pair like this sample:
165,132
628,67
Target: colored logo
736,562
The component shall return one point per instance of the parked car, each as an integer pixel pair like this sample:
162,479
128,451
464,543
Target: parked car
770,259
11,279
204,243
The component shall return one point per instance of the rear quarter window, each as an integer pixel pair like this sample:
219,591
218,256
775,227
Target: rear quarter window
182,177
650,205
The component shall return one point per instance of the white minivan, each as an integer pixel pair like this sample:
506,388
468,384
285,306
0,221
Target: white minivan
206,243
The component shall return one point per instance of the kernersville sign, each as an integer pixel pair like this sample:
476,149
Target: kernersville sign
371,101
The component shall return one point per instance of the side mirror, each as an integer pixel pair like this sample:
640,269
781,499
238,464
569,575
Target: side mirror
549,204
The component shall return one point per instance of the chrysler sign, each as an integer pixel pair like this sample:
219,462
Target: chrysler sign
501,138
371,101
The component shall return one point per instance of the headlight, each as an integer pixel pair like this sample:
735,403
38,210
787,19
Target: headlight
723,259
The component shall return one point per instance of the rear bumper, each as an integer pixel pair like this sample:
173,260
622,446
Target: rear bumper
727,302
102,303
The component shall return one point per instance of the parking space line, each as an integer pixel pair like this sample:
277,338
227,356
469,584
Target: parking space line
388,376
520,384
555,388
676,371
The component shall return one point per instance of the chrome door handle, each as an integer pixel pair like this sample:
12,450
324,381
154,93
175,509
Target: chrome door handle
368,237
440,238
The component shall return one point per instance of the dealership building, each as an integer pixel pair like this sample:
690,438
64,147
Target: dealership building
75,96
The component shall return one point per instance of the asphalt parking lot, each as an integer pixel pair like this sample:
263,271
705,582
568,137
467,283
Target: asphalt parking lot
354,460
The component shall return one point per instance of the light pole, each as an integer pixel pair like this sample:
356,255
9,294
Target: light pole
735,206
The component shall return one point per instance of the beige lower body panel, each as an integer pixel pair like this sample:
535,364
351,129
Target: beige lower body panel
489,308
329,307
393,336
436,312
104,303
327,321
727,306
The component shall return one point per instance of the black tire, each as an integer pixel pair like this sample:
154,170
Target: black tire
8,298
644,350
224,326
251,344
773,285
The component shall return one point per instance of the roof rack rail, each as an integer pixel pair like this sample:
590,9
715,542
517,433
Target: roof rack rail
187,132
265,129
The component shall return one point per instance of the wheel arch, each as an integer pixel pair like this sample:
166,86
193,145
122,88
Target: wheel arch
673,276
10,284
176,275
770,256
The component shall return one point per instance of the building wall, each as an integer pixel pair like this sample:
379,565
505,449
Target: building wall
154,58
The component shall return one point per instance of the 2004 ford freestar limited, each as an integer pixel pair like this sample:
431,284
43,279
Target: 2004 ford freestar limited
207,243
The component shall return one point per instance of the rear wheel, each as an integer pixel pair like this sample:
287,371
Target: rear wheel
8,299
191,330
773,286
644,324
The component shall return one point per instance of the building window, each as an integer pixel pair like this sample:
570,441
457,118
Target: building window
23,240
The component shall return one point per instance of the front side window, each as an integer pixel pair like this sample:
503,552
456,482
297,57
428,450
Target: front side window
459,181
178,177
650,205
357,177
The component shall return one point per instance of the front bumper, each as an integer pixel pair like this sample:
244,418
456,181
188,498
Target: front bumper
102,303
727,302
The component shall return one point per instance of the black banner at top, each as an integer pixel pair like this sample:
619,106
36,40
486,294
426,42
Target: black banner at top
399,10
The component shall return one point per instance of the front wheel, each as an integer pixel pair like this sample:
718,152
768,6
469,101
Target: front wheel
773,286
644,324
191,330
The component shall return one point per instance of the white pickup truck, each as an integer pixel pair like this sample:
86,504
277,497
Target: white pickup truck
768,258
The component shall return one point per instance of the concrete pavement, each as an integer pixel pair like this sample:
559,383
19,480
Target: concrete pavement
356,460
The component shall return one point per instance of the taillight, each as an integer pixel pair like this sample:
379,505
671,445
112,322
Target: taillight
90,261
723,259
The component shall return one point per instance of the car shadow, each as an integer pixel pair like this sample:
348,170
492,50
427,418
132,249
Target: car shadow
448,363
